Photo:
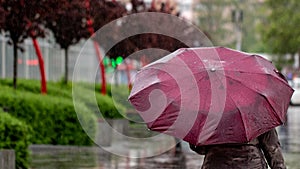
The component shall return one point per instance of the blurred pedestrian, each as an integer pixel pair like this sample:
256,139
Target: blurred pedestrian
289,76
251,155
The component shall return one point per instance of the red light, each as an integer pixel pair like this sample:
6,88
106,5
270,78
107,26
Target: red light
32,62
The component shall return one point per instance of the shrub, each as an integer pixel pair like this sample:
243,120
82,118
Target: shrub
120,95
98,88
108,108
52,118
53,88
15,134
84,91
96,101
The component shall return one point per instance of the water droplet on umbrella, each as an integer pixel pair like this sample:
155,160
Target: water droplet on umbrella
213,69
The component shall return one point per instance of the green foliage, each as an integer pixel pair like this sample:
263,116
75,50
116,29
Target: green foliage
95,101
211,21
215,19
15,134
120,95
99,87
85,93
108,108
53,88
52,118
281,28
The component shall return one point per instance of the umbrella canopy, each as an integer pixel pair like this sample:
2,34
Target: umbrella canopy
211,95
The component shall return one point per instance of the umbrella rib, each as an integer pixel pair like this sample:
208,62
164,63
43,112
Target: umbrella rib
265,73
259,73
278,118
274,112
156,83
245,58
134,94
158,65
240,71
243,119
153,122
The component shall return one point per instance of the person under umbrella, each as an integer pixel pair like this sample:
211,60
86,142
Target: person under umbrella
249,155
224,103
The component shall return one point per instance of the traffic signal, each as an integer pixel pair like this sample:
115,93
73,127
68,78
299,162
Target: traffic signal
106,61
113,63
118,61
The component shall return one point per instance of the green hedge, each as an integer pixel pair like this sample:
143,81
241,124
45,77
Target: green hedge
34,86
118,96
53,119
96,101
108,108
15,134
86,93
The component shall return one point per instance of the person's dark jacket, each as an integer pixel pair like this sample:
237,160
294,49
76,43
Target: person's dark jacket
252,155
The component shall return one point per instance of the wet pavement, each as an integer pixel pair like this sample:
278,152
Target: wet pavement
160,153
63,157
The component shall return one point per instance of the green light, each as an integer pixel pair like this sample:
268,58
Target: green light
119,60
106,61
113,63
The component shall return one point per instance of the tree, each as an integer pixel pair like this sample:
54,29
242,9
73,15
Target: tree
280,31
147,40
231,23
103,12
211,19
36,12
138,42
2,16
67,21
100,13
21,20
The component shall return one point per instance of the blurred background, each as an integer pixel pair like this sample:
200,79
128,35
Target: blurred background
268,28
41,42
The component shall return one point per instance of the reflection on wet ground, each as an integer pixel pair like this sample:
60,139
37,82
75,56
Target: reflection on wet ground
289,133
49,157
61,157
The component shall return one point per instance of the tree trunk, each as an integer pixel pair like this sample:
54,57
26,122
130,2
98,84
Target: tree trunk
102,68
66,66
153,4
41,66
15,71
128,76
96,45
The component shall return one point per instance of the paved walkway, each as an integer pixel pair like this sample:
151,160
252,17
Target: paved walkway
72,157
155,152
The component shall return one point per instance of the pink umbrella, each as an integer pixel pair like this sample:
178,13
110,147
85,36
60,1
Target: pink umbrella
211,95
